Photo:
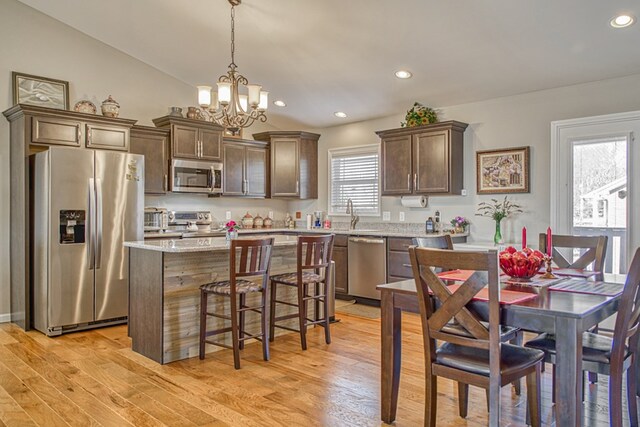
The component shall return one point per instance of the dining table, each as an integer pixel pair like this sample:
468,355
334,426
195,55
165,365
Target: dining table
566,312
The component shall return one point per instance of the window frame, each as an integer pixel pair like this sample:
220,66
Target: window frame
346,151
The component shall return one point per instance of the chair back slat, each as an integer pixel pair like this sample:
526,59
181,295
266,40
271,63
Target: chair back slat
453,305
628,318
255,257
314,252
595,251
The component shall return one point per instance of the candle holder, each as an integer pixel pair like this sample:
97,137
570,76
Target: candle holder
548,274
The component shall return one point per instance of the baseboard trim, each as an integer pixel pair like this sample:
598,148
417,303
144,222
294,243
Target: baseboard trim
4,318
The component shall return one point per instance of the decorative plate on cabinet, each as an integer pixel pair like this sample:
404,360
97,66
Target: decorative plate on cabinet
85,106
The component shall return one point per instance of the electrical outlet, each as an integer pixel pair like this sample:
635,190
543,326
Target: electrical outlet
386,216
228,215
463,192
401,217
271,214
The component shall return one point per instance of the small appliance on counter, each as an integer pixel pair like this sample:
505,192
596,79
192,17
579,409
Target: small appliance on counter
156,220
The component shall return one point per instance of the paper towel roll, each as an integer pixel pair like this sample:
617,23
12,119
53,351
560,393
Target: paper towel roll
414,201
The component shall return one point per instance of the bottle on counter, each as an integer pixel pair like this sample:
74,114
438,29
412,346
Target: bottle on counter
287,221
309,221
436,227
429,226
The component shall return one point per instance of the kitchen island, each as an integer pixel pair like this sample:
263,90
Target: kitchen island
164,295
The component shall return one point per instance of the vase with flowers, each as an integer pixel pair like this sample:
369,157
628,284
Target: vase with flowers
232,229
498,211
460,224
419,115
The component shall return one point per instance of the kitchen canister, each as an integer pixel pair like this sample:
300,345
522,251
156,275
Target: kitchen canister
110,108
247,221
258,222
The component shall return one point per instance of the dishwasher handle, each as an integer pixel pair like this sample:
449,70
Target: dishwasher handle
366,240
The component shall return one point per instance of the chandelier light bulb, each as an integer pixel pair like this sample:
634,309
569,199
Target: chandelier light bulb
264,100
204,96
224,93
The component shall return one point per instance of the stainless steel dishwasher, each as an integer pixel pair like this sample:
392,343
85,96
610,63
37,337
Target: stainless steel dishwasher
367,266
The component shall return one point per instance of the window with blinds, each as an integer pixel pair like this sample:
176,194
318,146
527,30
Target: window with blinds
353,174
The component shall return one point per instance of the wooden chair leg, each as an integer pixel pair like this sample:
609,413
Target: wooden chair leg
615,397
241,320
518,340
272,311
203,322
632,375
430,404
463,399
235,333
316,306
325,306
264,315
533,398
486,393
302,314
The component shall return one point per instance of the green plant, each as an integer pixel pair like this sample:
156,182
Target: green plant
419,115
498,210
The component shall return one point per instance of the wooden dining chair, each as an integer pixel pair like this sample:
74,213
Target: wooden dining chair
508,333
255,261
312,273
595,251
611,356
478,358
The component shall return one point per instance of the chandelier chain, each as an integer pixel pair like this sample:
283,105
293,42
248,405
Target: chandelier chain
233,37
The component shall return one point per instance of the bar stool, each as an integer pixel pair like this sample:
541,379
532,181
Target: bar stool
314,253
255,259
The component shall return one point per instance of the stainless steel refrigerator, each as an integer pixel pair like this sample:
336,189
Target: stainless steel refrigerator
86,204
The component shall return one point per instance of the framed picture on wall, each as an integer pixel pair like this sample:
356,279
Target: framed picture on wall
503,171
40,91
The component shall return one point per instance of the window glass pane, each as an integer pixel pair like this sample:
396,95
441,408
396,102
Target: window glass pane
354,175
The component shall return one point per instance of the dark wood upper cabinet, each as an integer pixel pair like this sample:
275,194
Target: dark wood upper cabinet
423,159
193,139
246,168
153,143
294,163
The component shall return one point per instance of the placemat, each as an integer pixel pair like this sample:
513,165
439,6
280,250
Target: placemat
456,275
592,288
506,297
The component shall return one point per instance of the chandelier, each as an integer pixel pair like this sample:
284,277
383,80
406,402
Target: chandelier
228,106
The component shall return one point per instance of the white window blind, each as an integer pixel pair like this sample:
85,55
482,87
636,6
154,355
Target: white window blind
353,174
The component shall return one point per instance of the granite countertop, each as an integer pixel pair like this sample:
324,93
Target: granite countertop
363,232
200,244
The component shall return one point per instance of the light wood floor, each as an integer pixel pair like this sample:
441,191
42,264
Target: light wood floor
93,378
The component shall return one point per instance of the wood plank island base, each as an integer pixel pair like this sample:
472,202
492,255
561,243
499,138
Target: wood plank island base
164,293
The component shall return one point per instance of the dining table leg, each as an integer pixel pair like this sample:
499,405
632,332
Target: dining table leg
568,384
391,333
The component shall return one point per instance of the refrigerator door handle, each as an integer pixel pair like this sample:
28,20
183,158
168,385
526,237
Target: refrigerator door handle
91,225
98,223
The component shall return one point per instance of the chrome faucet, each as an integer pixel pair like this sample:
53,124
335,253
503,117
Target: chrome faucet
351,211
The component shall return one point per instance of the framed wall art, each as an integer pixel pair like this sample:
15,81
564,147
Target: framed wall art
503,171
40,91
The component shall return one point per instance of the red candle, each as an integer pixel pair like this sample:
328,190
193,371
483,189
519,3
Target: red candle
524,237
549,246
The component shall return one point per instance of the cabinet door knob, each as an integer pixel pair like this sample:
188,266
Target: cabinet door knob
415,181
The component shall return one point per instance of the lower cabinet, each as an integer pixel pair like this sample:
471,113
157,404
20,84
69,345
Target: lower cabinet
398,262
341,259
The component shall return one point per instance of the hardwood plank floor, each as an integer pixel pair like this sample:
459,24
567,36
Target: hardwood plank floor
93,378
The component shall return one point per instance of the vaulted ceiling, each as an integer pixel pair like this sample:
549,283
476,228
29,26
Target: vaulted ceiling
325,56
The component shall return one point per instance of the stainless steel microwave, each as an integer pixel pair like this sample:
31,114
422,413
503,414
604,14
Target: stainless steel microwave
193,176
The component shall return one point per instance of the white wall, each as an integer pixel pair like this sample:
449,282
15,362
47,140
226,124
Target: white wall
34,43
504,122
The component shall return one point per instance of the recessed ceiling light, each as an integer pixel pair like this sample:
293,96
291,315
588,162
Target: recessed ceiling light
279,103
340,114
622,21
403,74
